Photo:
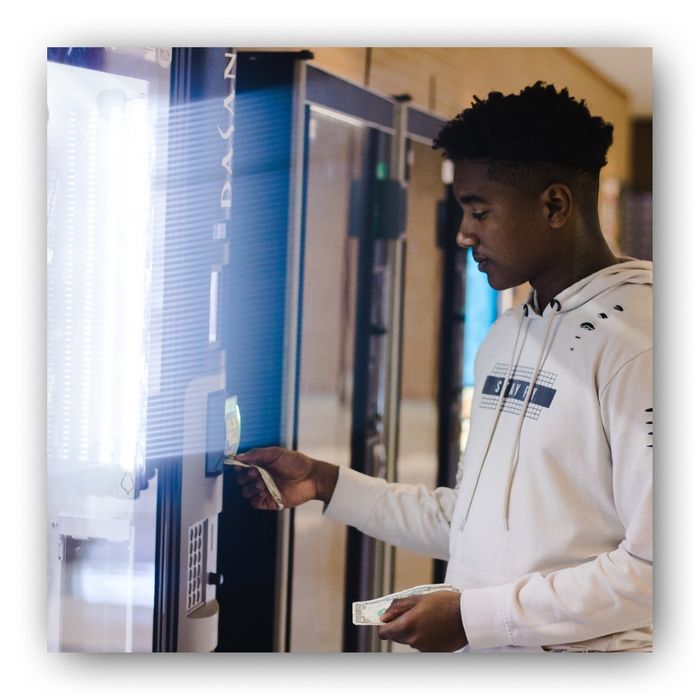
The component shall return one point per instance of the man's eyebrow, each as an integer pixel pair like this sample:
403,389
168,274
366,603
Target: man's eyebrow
472,199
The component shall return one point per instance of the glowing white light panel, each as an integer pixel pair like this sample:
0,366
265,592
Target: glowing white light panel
99,217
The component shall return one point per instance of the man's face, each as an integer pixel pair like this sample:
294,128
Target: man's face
503,225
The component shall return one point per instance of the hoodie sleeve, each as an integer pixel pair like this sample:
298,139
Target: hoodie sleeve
608,594
404,515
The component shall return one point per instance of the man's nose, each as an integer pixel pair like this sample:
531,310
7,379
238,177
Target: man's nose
465,236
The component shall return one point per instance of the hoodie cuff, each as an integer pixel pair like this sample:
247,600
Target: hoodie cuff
485,617
354,497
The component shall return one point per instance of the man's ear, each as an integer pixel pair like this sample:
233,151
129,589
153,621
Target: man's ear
557,204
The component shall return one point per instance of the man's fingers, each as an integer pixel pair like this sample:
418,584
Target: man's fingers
392,613
253,488
398,607
397,627
259,455
263,501
396,631
245,476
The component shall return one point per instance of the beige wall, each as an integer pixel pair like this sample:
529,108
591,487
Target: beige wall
444,81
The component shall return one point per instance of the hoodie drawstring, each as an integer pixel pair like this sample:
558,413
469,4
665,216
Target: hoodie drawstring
523,411
494,423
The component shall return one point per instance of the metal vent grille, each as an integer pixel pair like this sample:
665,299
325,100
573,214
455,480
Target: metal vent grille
195,566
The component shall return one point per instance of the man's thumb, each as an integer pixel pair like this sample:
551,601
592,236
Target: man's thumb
397,608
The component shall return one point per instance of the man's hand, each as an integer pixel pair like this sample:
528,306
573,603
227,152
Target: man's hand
430,622
299,478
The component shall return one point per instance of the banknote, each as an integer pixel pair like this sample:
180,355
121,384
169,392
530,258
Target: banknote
266,477
368,612
232,421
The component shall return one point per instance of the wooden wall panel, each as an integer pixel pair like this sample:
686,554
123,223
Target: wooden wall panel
346,62
459,73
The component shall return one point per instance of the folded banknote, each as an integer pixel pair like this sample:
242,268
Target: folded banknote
368,612
269,481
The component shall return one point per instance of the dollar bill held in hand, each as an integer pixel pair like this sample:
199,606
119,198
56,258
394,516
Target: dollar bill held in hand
266,477
368,612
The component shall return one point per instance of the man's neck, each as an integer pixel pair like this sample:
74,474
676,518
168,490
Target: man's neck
582,261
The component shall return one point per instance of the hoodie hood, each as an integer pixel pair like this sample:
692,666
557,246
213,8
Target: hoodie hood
626,271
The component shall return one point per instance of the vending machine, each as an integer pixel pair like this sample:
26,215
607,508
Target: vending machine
138,240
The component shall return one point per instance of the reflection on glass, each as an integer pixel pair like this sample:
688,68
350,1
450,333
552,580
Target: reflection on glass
418,453
325,393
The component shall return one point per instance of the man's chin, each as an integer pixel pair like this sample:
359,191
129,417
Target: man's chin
499,282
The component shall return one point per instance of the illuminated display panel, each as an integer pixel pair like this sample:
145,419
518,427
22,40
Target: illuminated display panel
105,219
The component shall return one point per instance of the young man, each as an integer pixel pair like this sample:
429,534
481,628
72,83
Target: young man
548,531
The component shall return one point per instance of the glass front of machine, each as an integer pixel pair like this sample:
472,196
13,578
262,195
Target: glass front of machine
138,229
105,223
338,147
418,433
350,230
325,390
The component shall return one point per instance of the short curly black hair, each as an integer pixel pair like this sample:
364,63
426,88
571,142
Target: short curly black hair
538,125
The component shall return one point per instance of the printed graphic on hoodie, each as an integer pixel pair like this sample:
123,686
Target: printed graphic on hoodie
516,390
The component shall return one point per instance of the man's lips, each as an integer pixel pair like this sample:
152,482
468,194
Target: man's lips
481,261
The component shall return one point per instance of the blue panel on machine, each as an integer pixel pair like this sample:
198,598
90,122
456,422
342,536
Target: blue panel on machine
257,284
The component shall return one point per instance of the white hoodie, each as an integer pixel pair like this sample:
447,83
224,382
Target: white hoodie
549,531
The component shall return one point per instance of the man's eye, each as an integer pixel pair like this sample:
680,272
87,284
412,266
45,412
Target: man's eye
479,215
